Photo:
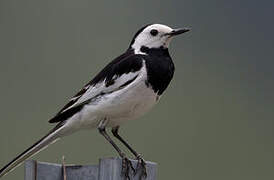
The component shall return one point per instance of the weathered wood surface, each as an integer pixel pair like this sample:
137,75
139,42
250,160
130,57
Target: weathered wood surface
108,169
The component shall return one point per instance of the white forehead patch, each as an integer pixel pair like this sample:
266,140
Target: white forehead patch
145,38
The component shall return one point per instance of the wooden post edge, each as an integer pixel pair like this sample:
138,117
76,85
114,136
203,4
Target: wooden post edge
107,169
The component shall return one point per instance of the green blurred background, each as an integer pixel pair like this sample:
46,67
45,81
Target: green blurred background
215,120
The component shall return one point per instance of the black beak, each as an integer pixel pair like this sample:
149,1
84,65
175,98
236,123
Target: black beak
175,32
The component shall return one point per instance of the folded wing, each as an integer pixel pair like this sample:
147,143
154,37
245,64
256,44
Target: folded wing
119,73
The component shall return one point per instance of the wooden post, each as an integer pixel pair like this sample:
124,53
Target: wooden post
108,169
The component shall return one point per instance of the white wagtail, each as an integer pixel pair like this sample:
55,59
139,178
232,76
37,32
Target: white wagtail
125,89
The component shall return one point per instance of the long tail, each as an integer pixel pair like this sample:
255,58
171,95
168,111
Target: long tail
43,143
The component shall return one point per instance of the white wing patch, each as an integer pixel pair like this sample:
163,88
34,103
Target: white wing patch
100,88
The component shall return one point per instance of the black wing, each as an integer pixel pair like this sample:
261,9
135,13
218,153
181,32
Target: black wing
124,64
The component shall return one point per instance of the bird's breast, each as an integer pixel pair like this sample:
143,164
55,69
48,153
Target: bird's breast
160,70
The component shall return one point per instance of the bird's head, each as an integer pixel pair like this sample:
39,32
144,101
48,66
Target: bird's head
154,36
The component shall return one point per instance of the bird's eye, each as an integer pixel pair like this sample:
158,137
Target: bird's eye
153,32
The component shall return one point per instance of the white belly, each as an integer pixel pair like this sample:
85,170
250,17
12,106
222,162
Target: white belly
130,104
122,105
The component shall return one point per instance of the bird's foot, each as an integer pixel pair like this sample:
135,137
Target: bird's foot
141,165
126,167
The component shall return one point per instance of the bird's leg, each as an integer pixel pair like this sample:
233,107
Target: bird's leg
126,163
141,164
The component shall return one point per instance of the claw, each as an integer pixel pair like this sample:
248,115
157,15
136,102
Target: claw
141,165
126,167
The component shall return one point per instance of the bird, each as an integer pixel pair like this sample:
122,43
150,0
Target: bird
125,89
